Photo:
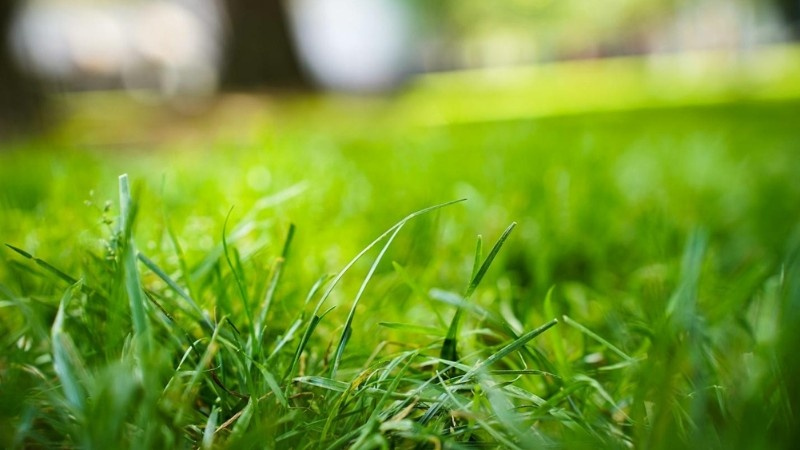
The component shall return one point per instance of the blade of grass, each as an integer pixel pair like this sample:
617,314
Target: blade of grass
211,425
237,274
203,362
133,285
312,324
175,287
290,334
186,274
246,225
66,361
273,283
603,394
417,289
409,358
325,383
555,337
410,327
681,306
242,419
338,277
510,348
476,263
599,339
347,331
449,347
272,383
44,264
451,298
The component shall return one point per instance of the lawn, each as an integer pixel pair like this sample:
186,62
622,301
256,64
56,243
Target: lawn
624,271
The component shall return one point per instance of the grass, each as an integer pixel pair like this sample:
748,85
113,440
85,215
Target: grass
273,287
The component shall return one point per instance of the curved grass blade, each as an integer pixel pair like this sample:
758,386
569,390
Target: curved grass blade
348,330
508,349
338,277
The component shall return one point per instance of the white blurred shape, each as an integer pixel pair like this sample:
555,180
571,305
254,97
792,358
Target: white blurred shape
169,34
353,45
37,40
157,49
97,42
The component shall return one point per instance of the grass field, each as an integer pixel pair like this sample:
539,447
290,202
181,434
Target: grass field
648,295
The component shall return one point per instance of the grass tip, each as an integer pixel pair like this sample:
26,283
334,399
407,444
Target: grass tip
20,251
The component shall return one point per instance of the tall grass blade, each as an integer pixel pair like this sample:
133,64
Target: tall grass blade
273,283
349,321
66,361
338,277
312,324
203,362
237,274
510,348
681,306
449,347
289,335
476,263
186,274
194,308
130,273
556,338
211,426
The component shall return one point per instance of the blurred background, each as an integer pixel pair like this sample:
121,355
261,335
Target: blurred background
182,53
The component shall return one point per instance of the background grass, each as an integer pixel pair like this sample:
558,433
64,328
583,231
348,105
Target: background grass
666,233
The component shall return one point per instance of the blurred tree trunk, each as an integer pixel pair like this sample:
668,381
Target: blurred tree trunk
21,98
260,50
790,9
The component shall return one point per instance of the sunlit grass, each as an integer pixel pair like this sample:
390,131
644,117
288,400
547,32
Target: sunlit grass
273,287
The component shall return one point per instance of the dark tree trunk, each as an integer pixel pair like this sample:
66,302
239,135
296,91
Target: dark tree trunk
260,51
790,9
21,97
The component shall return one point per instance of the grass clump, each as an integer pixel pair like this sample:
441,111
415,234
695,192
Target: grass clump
663,240
131,359
226,375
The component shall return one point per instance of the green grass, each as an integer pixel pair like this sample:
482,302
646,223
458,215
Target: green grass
269,283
